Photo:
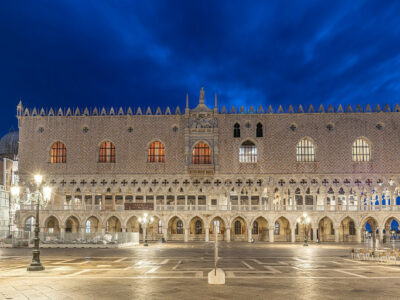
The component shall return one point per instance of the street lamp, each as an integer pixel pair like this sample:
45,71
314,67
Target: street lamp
39,197
145,221
304,220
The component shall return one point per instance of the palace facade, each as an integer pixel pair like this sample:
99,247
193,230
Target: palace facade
247,173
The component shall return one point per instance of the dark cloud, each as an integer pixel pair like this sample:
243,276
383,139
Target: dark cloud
136,53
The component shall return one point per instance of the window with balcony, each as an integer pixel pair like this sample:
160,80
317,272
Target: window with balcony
248,152
201,154
58,153
305,151
107,152
361,150
156,152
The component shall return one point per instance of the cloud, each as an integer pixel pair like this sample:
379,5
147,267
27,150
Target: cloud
122,53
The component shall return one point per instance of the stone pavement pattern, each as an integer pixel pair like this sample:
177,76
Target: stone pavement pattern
180,271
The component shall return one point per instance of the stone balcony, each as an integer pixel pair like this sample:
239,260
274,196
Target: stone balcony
216,208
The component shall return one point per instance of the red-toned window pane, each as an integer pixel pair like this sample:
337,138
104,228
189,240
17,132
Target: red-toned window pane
201,154
58,153
156,153
107,152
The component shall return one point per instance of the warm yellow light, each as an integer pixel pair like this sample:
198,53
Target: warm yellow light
46,193
151,219
38,179
14,190
140,220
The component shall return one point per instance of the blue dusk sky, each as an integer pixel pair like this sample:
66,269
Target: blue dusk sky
139,53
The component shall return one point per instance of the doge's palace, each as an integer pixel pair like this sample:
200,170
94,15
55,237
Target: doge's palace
248,173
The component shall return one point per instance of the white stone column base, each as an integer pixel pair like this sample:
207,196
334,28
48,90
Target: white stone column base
216,276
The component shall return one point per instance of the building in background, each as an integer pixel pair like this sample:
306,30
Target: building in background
247,173
8,177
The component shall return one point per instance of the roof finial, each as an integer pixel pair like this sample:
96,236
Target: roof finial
187,100
201,99
215,100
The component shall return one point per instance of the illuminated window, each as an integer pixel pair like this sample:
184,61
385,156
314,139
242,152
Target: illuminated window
198,227
305,151
58,153
107,152
156,153
255,228
238,227
236,130
361,150
259,130
248,152
179,227
201,154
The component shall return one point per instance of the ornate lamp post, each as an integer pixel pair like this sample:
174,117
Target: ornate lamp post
39,197
145,221
304,220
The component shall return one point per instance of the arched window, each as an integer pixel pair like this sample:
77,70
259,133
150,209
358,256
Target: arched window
259,130
238,227
305,150
160,227
332,229
361,150
88,226
179,227
58,153
248,152
198,227
201,154
236,130
255,228
277,228
352,228
107,152
156,153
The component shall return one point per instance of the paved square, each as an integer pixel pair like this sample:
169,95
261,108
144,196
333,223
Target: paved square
166,271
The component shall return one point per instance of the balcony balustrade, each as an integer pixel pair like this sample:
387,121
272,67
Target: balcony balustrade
229,207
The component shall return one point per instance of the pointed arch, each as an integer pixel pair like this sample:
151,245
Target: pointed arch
259,130
236,130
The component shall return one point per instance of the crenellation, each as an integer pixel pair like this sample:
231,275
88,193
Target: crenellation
153,166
